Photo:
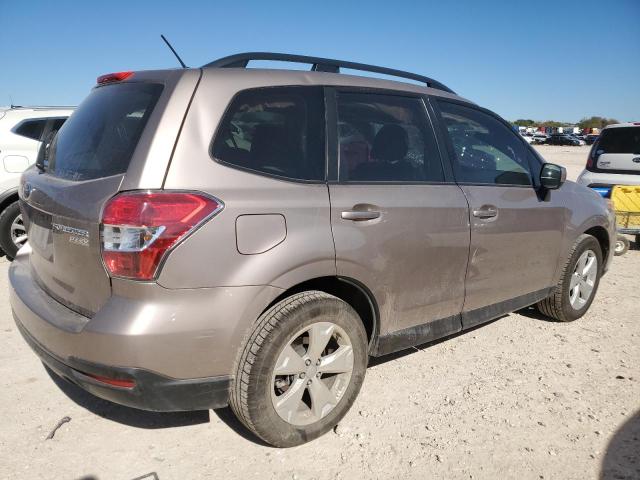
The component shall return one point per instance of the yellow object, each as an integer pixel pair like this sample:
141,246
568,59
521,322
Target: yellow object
626,203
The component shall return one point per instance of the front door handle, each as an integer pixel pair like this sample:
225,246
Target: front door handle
359,215
486,211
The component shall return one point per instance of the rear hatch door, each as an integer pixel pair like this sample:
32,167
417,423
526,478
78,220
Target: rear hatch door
86,164
618,150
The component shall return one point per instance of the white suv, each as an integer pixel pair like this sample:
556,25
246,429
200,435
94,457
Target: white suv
22,130
614,158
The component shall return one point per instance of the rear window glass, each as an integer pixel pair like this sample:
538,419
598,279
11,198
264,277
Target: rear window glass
277,131
620,140
31,129
98,140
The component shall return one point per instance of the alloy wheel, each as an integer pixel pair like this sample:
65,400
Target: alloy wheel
312,373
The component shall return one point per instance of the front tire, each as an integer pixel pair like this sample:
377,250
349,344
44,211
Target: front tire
301,369
13,234
578,284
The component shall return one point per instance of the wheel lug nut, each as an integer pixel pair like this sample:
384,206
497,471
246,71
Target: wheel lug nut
302,375
307,362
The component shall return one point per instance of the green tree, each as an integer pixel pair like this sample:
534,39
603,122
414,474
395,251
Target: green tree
524,123
596,122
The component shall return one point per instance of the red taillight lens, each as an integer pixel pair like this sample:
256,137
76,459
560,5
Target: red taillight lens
139,228
113,77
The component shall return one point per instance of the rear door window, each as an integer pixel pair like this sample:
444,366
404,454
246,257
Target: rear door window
620,140
99,139
386,138
31,129
486,150
275,131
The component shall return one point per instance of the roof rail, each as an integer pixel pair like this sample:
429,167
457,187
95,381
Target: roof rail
42,107
319,64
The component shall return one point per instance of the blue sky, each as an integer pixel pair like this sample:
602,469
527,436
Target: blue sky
522,59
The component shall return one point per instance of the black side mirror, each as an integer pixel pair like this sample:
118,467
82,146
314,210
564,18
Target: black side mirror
552,176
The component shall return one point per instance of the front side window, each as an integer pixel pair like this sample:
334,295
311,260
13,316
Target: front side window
31,129
386,138
486,151
277,131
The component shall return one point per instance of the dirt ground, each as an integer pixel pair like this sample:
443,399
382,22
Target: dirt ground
519,398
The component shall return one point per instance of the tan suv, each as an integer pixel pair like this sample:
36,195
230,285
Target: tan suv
225,235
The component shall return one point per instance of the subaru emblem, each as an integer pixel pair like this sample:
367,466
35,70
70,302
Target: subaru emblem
636,160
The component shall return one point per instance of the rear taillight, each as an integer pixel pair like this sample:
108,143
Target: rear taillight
140,228
592,159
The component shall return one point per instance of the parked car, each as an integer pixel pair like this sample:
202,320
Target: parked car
22,130
589,139
527,138
539,138
213,236
580,138
563,139
614,158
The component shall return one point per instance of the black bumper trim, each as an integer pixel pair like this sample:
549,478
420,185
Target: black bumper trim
152,391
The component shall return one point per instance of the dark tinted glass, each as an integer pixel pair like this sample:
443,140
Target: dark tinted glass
386,138
56,123
486,150
31,129
98,140
620,140
278,131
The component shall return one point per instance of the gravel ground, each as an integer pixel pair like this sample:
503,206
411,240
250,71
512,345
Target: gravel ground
521,398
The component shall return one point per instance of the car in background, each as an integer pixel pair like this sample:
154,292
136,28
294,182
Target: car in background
614,158
563,139
580,138
539,138
526,137
22,131
590,138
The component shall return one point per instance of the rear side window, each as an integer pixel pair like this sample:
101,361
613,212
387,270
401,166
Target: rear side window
620,140
386,138
98,140
31,129
277,131
486,150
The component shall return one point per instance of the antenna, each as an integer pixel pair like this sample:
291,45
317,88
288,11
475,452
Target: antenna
173,50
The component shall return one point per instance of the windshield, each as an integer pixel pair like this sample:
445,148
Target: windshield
99,138
620,140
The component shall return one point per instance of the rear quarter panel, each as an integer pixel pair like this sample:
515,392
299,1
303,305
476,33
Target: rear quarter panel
210,257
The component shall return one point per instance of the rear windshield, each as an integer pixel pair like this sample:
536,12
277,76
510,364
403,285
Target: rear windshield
620,140
99,138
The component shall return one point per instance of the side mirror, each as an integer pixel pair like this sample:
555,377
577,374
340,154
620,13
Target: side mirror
552,176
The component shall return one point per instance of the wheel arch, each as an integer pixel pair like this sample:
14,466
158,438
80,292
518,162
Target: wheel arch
349,290
600,233
8,197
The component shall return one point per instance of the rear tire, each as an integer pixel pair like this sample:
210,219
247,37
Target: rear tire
10,225
569,300
622,246
293,407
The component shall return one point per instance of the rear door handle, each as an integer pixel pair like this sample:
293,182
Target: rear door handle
358,215
486,211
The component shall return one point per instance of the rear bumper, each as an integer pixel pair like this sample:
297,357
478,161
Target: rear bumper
588,179
179,346
150,391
